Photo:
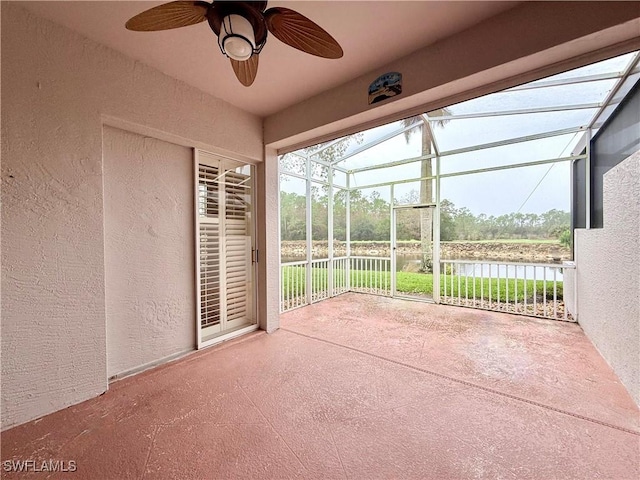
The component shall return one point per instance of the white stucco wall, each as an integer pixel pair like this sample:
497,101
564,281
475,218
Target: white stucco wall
149,250
608,275
57,87
269,241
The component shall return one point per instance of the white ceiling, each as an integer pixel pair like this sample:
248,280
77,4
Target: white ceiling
372,33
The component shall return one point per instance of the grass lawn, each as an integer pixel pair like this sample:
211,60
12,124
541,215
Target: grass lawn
293,284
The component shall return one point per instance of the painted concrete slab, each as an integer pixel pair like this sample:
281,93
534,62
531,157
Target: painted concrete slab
359,387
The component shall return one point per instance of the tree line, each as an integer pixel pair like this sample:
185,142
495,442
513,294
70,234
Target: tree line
371,220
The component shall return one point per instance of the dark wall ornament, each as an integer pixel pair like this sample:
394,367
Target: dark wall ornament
385,86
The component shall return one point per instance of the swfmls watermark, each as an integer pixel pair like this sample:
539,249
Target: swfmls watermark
30,465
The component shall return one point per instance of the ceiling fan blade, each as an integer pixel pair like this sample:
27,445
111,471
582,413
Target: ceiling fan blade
298,31
246,71
169,15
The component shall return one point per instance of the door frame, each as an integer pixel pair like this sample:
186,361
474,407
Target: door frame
201,157
435,247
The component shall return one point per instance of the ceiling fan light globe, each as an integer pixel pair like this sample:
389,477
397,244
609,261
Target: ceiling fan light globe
238,48
237,39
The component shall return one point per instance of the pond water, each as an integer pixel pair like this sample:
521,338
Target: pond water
511,271
490,269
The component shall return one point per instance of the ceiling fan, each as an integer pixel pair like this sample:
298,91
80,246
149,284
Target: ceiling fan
241,28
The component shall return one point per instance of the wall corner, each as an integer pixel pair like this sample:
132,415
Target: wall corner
268,243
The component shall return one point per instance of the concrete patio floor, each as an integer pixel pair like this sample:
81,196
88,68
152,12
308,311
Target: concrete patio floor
359,387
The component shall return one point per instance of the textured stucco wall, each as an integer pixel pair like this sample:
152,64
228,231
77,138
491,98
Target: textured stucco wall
149,248
269,241
608,275
56,88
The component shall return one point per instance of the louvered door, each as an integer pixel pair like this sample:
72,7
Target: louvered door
225,246
209,251
237,240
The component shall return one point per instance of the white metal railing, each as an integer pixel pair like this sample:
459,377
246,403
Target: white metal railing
370,275
303,283
319,280
340,275
293,281
534,289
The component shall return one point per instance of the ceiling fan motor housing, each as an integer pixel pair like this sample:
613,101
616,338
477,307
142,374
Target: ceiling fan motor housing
236,38
240,28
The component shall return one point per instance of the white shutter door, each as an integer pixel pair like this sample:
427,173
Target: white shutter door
209,249
224,245
237,235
